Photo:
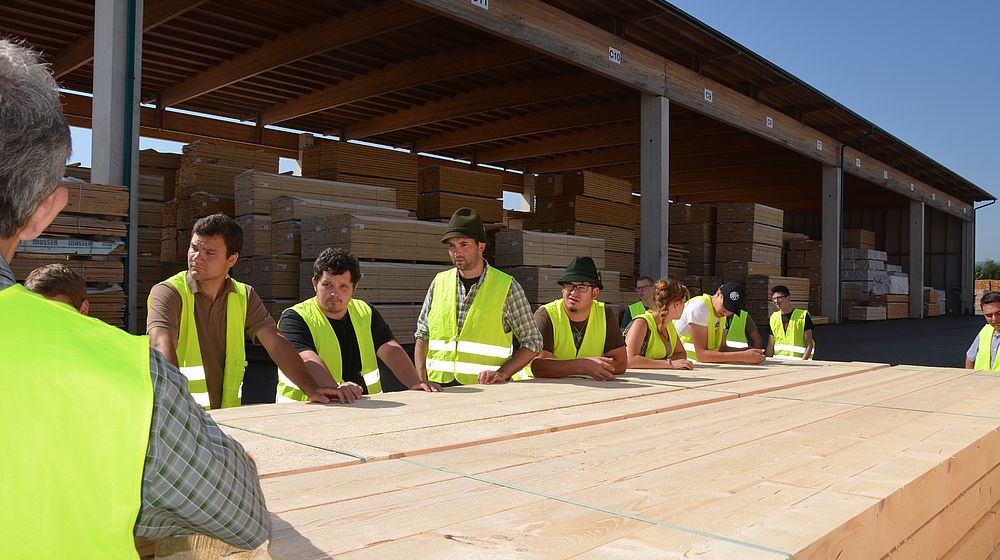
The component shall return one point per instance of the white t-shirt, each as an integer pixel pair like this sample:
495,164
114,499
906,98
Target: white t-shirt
695,311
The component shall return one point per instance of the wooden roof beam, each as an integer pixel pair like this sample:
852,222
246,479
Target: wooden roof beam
332,33
406,74
534,123
610,156
155,12
490,98
602,137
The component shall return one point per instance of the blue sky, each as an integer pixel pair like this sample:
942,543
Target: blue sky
925,71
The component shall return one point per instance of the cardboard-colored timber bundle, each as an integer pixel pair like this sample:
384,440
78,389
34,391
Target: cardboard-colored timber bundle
366,165
93,198
586,209
441,206
275,277
615,238
376,238
446,179
201,204
256,191
540,284
286,238
383,282
583,183
285,208
857,238
530,248
257,236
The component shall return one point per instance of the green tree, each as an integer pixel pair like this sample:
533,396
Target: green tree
988,270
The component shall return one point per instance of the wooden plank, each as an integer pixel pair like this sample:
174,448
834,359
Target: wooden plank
93,198
442,205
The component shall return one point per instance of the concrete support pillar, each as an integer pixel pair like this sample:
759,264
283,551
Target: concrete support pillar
916,259
833,214
654,175
115,143
969,302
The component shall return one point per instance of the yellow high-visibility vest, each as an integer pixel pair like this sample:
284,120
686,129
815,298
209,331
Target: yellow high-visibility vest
657,348
790,342
72,473
563,347
189,351
328,347
736,336
482,345
985,348
716,329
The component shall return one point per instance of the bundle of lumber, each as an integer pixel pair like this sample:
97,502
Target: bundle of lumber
935,303
804,259
201,204
375,238
818,460
862,272
444,189
383,282
748,233
367,165
160,171
677,260
275,277
896,306
285,208
531,248
564,201
286,238
693,226
540,284
857,238
257,236
256,191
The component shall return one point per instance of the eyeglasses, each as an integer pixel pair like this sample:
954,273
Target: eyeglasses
578,288
643,288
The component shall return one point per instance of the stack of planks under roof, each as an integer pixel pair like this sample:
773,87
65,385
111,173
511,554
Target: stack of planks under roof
814,460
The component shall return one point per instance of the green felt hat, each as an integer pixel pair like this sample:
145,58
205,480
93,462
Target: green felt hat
465,222
582,269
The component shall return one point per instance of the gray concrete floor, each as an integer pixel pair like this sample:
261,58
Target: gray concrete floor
936,341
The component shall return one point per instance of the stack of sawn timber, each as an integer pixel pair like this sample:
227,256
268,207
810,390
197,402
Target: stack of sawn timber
444,189
356,163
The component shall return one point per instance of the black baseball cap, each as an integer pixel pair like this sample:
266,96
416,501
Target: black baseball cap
733,296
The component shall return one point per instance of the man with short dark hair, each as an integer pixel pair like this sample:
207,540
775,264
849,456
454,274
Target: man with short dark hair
579,334
982,355
59,282
342,337
112,445
200,318
791,328
643,287
702,327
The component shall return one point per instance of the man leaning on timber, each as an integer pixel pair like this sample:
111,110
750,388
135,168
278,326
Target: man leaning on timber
982,355
200,319
116,446
471,313
580,335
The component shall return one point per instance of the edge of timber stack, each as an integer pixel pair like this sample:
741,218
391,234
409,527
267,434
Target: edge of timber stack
443,189
356,163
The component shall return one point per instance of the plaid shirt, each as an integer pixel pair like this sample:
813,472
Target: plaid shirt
517,316
195,478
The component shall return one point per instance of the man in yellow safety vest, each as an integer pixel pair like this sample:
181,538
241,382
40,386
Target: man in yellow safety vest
471,313
201,318
113,447
982,355
791,328
702,327
643,287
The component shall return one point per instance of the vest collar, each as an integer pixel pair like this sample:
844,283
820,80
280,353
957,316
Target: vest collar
192,285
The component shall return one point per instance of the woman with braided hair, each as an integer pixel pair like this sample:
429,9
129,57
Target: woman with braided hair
651,339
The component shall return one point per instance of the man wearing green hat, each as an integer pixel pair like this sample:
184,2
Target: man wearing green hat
580,335
471,314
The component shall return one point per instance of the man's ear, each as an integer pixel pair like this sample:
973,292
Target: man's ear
85,307
231,259
44,213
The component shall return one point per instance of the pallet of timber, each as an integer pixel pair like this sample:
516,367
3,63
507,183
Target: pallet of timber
747,252
584,183
692,214
531,248
615,238
734,212
77,225
402,320
383,282
748,232
108,305
759,287
257,236
151,213
700,252
148,240
446,179
814,274
540,284
200,205
286,238
298,208
93,198
857,238
866,313
256,191
276,277
623,263
877,299
677,260
371,237
702,233
897,310
586,209
739,270
151,188
92,270
327,159
206,177
441,205
201,151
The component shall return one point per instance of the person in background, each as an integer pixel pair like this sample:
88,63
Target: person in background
652,339
702,327
643,287
117,447
791,328
741,332
58,282
982,354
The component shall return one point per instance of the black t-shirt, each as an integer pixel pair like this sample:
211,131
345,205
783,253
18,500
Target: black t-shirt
297,332
469,282
786,317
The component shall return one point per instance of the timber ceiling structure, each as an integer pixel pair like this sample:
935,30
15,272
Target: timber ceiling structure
396,73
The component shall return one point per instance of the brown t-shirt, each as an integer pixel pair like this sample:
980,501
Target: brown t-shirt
210,320
613,338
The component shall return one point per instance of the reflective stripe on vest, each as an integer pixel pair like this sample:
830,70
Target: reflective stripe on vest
563,346
328,346
716,329
736,336
189,351
985,349
482,345
72,472
657,348
790,342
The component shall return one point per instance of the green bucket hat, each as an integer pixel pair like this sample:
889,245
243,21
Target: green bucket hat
465,222
582,269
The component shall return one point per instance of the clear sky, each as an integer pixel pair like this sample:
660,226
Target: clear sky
925,71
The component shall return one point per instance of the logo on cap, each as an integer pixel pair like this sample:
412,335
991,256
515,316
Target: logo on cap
734,295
